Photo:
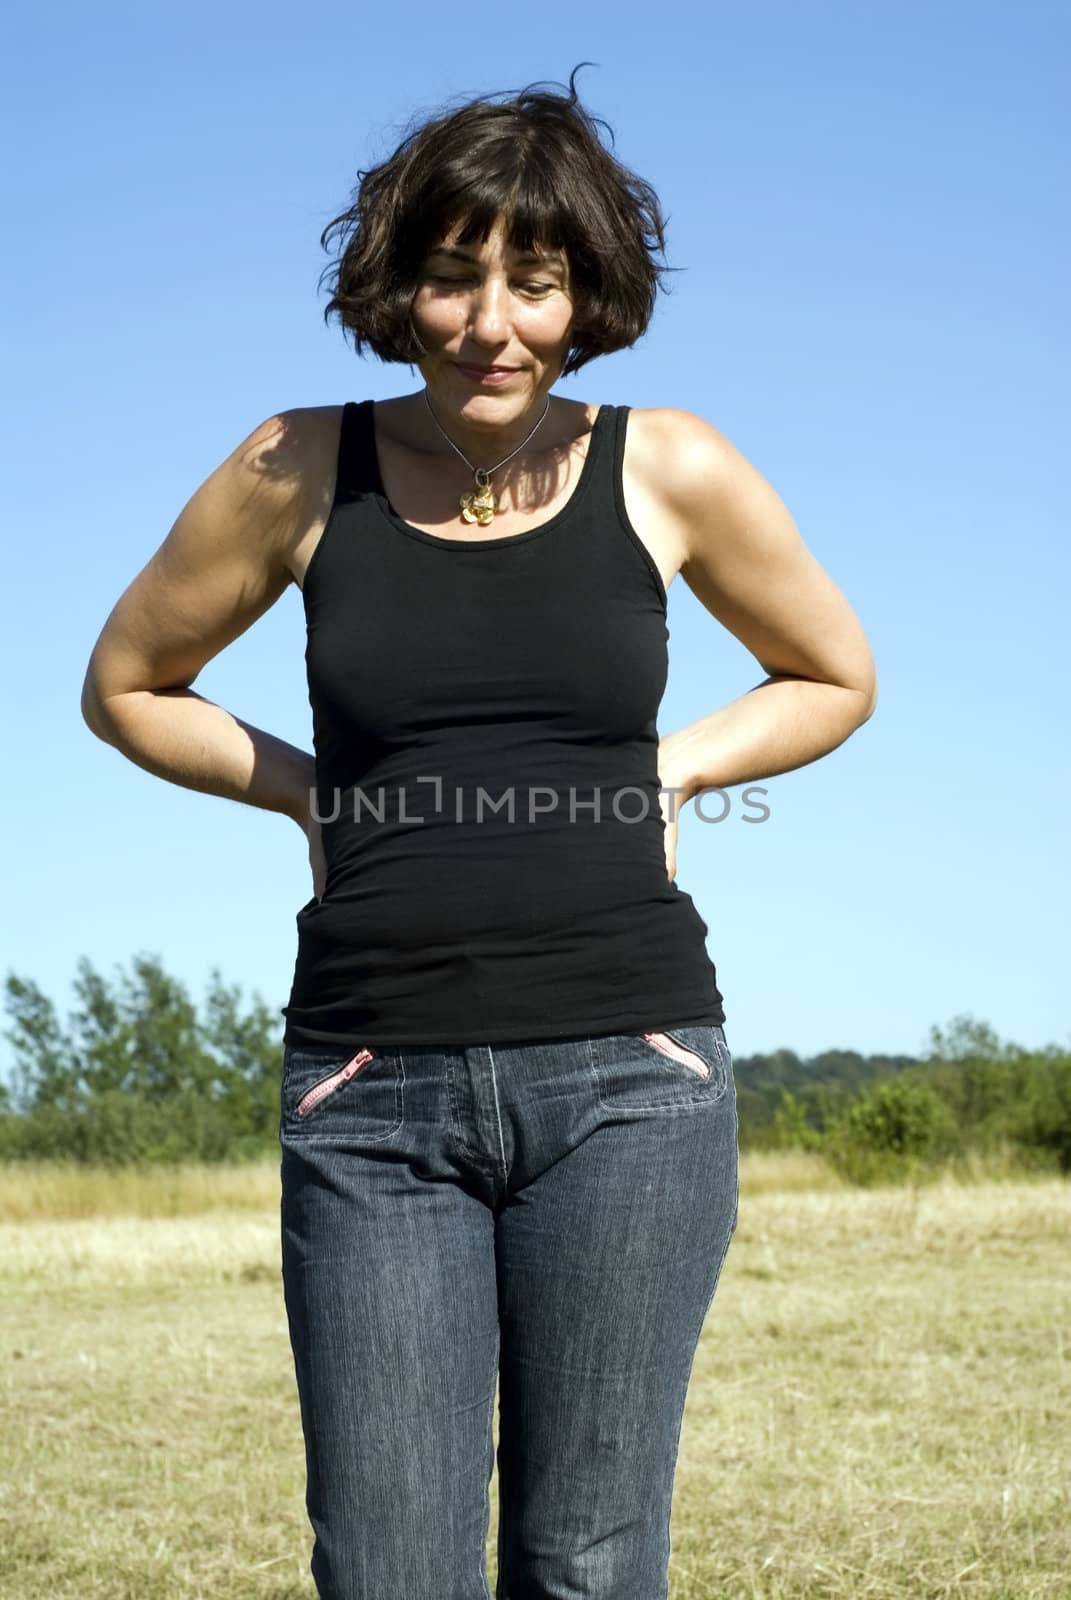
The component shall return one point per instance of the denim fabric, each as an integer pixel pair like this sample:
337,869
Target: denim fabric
553,1215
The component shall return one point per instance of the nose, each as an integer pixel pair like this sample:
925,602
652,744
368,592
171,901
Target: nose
489,311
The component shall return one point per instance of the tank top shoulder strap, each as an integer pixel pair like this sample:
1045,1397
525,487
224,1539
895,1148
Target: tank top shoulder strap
357,472
610,470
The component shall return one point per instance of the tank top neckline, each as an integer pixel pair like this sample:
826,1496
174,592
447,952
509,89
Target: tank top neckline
583,482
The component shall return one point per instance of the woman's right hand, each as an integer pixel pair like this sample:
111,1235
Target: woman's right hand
317,859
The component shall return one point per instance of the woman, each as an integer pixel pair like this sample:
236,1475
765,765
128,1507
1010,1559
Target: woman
508,1119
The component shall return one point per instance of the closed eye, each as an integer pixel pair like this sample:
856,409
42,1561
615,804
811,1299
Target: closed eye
534,288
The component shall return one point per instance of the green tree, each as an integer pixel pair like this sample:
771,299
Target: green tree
891,1132
792,1131
136,1074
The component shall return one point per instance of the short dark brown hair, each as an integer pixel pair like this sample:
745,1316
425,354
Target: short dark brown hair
535,160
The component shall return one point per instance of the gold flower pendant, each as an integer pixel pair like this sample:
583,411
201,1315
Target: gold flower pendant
479,505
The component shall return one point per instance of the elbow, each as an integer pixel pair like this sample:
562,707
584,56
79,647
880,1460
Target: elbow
90,709
870,701
94,715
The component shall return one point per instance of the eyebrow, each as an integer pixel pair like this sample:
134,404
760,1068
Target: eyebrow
529,255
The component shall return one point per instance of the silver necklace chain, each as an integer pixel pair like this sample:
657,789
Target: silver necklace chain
482,474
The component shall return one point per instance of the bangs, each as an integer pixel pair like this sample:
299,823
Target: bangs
464,206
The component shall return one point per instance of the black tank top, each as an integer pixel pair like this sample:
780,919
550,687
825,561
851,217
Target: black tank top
484,723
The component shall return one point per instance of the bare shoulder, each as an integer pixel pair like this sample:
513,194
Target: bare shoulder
709,492
293,448
295,454
274,477
669,459
673,444
283,449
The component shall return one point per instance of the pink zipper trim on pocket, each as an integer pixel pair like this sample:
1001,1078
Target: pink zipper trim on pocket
687,1058
326,1086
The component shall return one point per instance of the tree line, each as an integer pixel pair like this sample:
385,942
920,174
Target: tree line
138,1074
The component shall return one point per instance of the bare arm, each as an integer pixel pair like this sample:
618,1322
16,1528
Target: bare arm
223,564
748,565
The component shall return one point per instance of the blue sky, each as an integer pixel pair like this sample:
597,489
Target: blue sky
869,202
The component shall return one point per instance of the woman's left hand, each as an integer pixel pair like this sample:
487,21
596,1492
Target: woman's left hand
670,804
672,795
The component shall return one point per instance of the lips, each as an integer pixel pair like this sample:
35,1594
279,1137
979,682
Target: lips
472,366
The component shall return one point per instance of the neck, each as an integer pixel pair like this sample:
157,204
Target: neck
484,443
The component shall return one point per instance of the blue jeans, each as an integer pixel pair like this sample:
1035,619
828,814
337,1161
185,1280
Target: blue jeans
553,1215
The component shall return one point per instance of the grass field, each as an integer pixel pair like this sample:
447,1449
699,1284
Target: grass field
880,1407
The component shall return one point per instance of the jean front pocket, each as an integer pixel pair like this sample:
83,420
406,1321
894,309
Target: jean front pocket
350,1095
673,1069
334,1080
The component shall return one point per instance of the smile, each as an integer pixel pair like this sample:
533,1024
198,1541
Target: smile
491,375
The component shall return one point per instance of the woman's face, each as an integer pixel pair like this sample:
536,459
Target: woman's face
486,305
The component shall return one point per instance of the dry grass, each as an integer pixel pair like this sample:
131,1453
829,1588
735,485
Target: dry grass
30,1192
880,1407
